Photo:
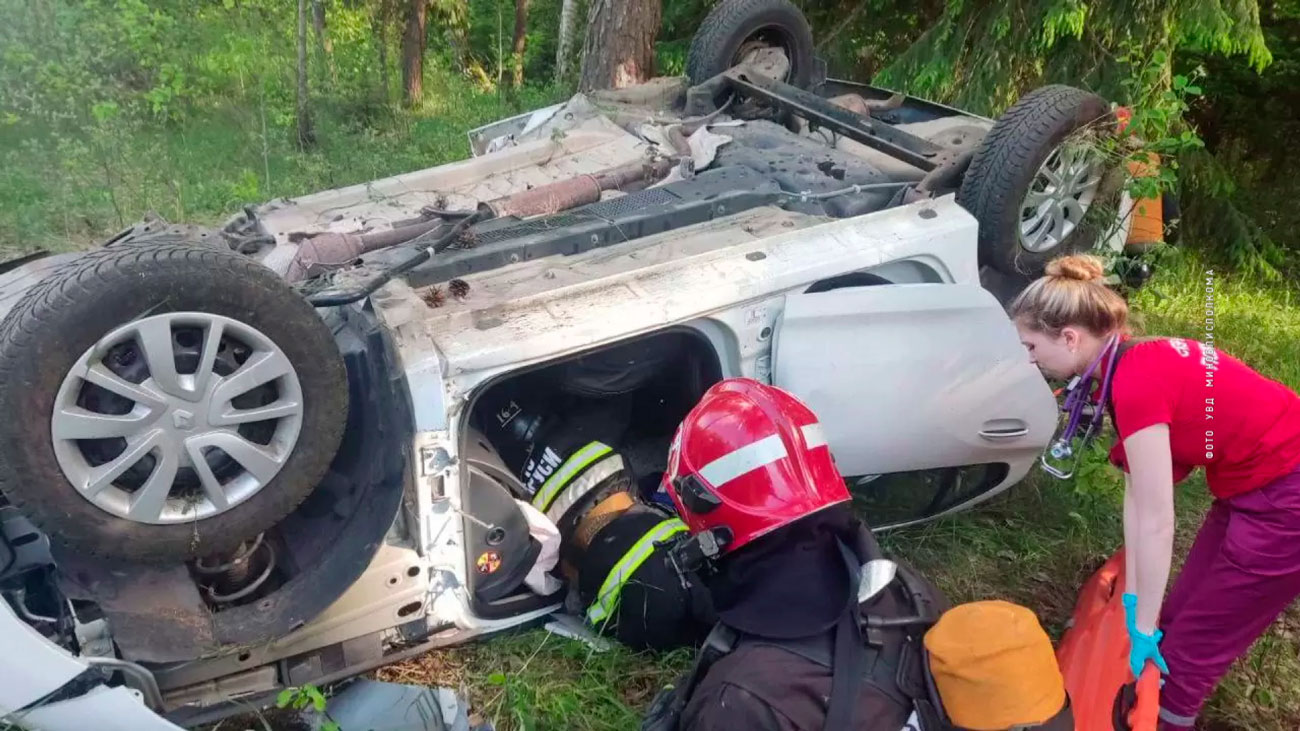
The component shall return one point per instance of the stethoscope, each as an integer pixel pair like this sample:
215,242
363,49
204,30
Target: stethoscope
1079,406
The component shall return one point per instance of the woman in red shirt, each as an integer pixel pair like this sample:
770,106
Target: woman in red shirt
1180,404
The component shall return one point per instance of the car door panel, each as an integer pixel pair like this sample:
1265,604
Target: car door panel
913,376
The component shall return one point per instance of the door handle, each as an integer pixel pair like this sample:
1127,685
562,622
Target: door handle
999,429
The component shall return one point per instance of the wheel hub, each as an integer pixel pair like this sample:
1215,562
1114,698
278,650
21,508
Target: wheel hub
182,420
1059,196
176,417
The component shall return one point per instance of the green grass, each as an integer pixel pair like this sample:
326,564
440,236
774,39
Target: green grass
65,191
536,680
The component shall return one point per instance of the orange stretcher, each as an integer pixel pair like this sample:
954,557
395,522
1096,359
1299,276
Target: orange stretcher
1093,656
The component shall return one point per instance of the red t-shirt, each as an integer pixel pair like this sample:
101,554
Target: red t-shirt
1222,415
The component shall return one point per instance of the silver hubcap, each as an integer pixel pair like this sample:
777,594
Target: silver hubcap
176,417
1059,196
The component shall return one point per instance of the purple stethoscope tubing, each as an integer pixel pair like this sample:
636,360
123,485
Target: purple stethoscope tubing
1076,403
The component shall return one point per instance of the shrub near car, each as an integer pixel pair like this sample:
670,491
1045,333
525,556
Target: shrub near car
263,455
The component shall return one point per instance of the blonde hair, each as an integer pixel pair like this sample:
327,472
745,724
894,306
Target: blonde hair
1071,293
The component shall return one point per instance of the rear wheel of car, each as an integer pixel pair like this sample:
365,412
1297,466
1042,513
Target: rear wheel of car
735,29
1039,184
176,400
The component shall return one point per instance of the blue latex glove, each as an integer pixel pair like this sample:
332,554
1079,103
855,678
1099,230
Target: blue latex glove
1141,646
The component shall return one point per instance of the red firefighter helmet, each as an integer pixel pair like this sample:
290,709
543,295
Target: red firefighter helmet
748,459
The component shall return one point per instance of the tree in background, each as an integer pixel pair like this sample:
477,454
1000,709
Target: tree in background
983,54
413,42
324,46
382,13
306,135
453,17
564,40
92,89
620,47
1243,196
521,37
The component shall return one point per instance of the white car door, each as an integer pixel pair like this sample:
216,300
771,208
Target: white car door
910,377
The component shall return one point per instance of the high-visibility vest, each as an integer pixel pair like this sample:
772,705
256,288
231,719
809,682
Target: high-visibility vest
571,479
606,602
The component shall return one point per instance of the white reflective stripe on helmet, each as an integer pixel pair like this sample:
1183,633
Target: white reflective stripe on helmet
607,598
750,457
585,483
567,471
814,436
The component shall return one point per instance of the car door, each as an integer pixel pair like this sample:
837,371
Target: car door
910,382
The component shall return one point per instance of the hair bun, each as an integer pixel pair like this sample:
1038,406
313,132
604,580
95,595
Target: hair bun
1081,267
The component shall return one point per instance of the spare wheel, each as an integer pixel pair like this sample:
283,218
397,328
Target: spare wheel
1040,185
165,400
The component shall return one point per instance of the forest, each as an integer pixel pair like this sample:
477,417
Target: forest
113,110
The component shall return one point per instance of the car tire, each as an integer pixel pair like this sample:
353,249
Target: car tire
55,347
1011,164
717,44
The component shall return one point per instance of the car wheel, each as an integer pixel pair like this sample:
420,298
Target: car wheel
736,28
173,400
1039,185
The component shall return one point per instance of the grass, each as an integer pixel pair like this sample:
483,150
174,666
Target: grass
1033,545
536,680
62,191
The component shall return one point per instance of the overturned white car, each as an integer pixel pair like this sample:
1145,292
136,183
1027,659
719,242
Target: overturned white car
289,450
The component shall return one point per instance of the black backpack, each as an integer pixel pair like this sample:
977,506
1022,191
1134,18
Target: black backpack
876,650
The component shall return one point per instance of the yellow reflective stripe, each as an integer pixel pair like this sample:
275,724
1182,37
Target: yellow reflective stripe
607,598
583,484
567,471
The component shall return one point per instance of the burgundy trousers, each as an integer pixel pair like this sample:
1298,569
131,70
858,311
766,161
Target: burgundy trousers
1242,571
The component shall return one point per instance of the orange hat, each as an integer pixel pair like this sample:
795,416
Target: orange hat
994,667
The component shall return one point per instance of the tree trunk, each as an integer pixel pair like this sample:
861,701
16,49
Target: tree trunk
324,46
306,135
379,28
413,41
521,37
564,46
457,21
620,46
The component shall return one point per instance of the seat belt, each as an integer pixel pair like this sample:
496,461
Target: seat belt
848,663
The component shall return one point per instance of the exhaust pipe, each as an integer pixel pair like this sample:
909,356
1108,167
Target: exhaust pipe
545,200
327,251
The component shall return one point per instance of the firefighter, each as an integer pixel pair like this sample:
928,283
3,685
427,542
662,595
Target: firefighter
563,448
1178,404
804,640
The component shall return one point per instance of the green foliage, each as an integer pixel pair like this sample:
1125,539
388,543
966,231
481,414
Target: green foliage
1245,189
1176,64
537,680
300,697
1094,45
190,114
